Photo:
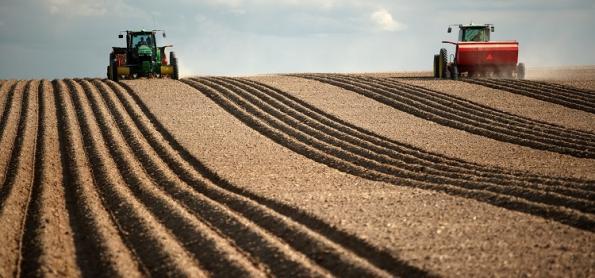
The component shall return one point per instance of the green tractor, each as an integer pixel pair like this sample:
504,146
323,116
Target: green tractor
141,58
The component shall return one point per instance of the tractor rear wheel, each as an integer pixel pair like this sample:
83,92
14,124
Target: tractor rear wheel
442,63
174,63
436,68
520,71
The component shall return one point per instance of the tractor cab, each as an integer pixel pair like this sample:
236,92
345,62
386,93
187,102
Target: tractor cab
474,33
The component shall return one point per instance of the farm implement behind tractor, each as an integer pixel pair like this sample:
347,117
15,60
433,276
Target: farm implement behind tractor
141,58
477,56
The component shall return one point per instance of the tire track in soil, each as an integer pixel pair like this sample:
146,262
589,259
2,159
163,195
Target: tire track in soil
16,189
269,250
467,116
558,94
47,244
316,149
100,248
315,246
140,229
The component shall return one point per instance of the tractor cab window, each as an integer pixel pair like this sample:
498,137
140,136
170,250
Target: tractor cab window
475,35
142,39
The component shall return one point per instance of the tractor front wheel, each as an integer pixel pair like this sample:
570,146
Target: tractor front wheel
442,63
454,72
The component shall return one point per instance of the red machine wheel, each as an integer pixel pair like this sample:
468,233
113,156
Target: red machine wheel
520,71
436,68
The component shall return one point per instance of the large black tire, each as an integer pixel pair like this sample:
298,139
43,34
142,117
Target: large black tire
174,63
113,69
442,63
436,61
520,71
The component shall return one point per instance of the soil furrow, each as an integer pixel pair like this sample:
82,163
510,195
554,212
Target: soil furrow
312,116
574,101
329,156
479,113
264,248
140,228
381,163
213,252
417,156
334,260
460,122
9,126
5,100
100,249
16,190
48,244
369,150
251,205
555,89
529,125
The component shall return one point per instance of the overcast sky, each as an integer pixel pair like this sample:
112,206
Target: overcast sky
72,38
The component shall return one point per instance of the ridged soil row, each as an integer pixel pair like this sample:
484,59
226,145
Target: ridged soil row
9,125
212,248
287,134
559,94
47,244
100,247
318,254
419,102
493,115
266,251
5,89
332,249
409,154
116,180
317,125
16,186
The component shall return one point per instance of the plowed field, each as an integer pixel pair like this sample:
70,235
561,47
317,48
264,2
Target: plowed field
302,175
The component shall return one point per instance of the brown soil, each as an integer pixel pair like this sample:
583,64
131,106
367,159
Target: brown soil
235,178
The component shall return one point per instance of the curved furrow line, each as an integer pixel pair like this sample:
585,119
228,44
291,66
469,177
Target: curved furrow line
100,248
419,169
504,117
6,92
334,158
16,189
304,232
570,101
9,126
47,231
555,86
556,89
477,112
382,163
317,249
139,227
211,250
460,122
408,153
264,248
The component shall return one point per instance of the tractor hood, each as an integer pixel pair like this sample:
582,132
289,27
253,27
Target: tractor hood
144,50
